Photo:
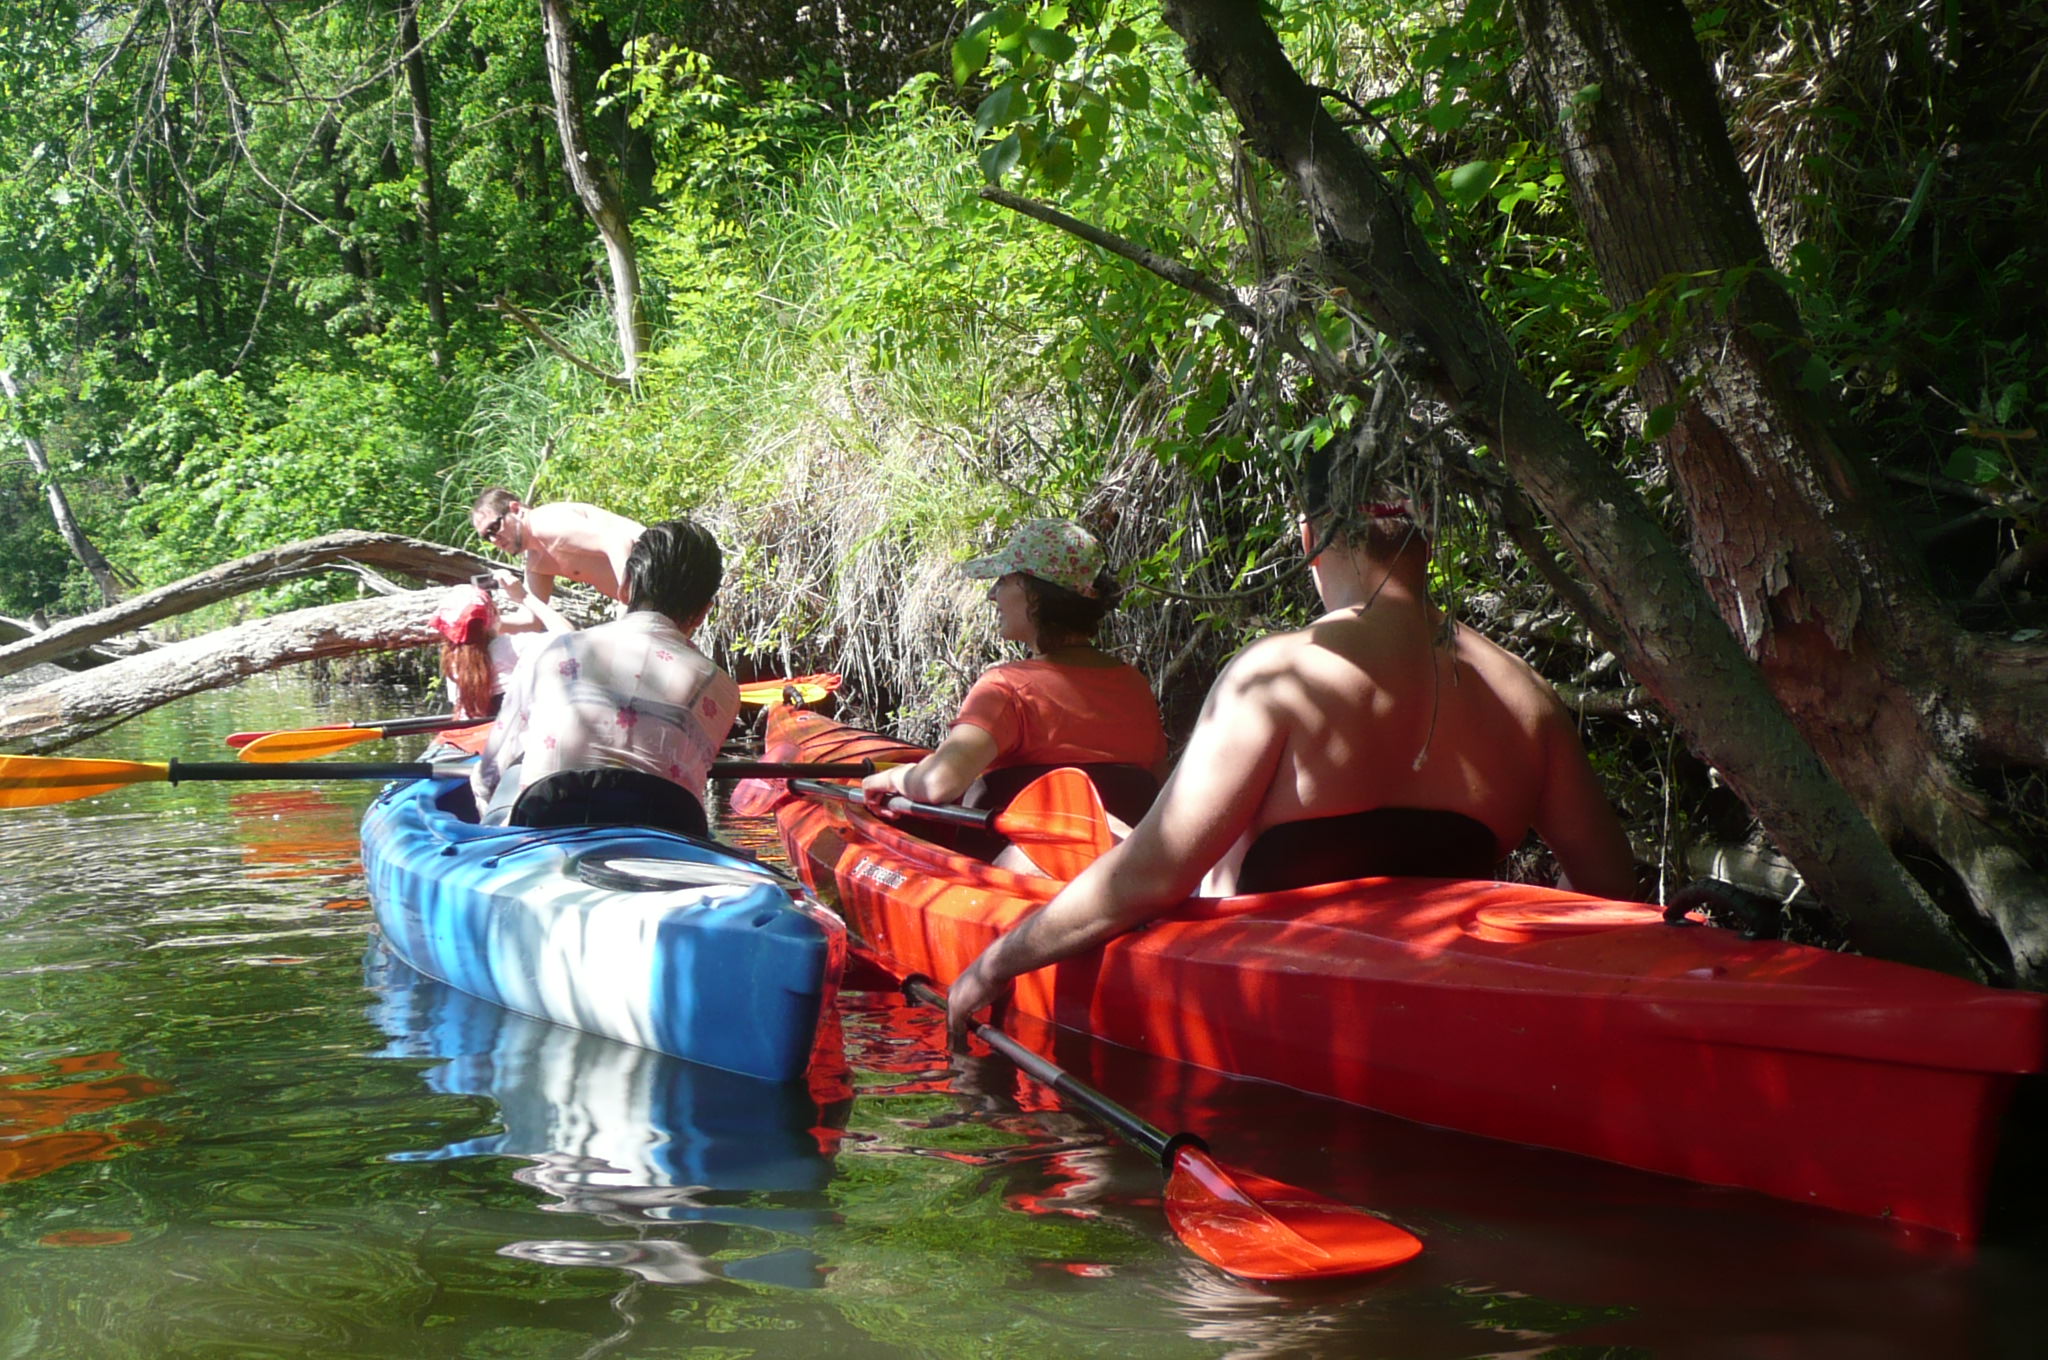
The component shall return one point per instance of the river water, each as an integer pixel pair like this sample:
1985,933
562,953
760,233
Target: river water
231,1126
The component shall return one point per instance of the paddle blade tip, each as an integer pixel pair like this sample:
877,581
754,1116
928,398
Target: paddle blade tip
1281,1233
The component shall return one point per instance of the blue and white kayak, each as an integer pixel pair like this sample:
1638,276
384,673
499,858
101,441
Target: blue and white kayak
674,944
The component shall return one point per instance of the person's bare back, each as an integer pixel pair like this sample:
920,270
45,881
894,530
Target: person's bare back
578,542
569,539
1382,707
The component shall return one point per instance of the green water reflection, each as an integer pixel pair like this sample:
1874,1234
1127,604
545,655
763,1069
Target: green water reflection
229,1126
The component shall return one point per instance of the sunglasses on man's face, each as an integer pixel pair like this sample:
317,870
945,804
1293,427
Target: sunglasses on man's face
490,531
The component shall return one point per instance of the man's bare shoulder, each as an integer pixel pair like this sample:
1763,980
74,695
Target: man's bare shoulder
1251,671
1511,677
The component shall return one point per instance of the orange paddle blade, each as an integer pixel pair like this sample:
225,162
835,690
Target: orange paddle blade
305,744
37,781
1264,1229
1058,820
237,740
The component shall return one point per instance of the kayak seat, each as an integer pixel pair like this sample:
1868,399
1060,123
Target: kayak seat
1126,791
1397,842
610,797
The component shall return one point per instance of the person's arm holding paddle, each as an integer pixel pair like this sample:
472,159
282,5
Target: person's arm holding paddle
944,776
1211,799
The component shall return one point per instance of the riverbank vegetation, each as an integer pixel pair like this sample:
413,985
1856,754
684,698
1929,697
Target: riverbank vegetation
1712,333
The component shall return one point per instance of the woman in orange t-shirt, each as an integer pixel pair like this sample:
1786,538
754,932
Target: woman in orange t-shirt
1068,703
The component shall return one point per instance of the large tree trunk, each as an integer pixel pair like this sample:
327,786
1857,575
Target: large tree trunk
595,188
82,548
1674,642
54,715
426,200
411,556
1796,553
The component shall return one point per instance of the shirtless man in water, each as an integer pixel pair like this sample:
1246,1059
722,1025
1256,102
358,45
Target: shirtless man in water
1374,741
563,538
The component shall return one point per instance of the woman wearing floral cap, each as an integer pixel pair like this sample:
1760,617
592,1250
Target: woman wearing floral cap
1068,703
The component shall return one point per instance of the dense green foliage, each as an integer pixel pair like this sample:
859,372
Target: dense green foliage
215,278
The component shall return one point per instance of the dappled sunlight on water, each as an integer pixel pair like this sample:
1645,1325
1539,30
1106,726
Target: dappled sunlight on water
230,1124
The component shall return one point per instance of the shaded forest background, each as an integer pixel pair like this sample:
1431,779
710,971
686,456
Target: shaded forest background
269,270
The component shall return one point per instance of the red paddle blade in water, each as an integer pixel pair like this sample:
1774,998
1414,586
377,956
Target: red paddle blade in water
1264,1229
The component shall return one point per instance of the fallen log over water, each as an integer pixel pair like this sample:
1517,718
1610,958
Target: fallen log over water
432,562
54,715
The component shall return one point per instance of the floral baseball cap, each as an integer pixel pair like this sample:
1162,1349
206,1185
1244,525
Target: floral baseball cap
466,615
1055,550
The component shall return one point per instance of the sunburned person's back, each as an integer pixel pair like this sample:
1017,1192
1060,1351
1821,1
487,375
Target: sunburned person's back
1384,707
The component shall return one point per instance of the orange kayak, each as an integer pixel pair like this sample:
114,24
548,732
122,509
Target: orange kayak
1515,1012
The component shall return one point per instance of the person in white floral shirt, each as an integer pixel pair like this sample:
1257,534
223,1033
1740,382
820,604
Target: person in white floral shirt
634,694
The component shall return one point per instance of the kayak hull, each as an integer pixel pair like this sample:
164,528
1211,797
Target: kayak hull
1515,1012
674,944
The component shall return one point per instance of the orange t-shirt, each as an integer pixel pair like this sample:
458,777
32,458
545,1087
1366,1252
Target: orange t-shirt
1043,713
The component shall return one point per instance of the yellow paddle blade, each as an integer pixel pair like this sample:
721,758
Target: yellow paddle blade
306,744
37,781
767,692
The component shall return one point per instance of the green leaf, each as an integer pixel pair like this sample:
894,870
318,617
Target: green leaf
1131,87
1050,43
1121,40
970,54
1816,376
1447,115
1470,181
1055,163
1660,420
1000,158
999,108
2013,398
1976,467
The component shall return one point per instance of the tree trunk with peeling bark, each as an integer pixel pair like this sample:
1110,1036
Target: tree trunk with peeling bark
1656,613
595,188
54,715
1796,552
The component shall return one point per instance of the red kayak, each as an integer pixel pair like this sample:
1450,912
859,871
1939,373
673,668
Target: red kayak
1515,1012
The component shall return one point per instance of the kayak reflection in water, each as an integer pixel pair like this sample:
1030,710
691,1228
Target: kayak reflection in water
625,1135
1384,738
1068,704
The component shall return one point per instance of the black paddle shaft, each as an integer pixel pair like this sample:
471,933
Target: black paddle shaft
938,812
1128,1125
769,769
182,771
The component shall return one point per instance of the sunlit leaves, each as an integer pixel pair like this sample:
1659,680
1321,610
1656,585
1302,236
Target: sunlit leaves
1048,104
